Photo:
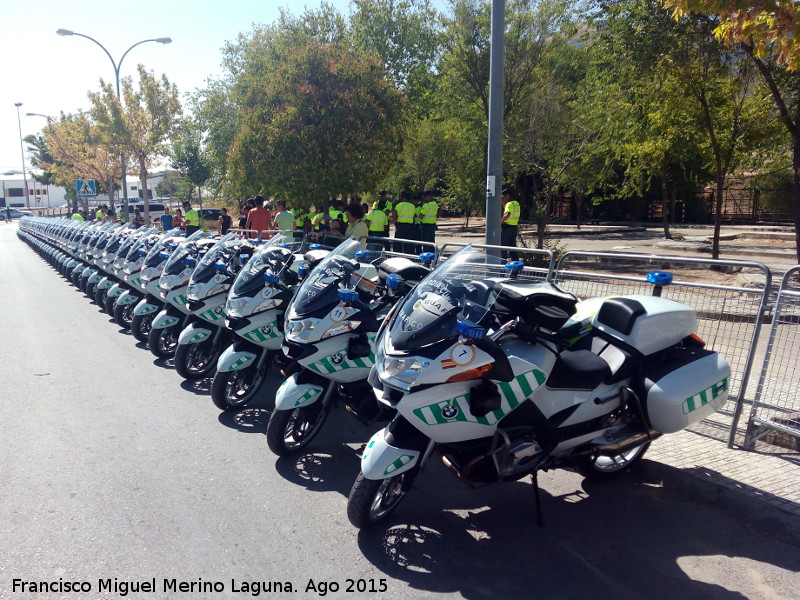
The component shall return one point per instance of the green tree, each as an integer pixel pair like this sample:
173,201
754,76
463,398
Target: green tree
141,123
189,156
768,33
326,124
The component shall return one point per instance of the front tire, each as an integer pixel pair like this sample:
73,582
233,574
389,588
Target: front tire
108,304
100,296
123,314
163,342
195,361
371,500
141,326
289,431
232,390
599,467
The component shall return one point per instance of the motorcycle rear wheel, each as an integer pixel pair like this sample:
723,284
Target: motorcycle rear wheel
371,500
123,314
231,390
195,361
289,431
163,342
140,326
600,467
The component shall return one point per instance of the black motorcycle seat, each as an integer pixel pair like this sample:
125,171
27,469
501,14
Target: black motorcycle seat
541,303
405,268
623,360
578,370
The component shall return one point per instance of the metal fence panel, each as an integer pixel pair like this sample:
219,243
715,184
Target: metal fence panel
776,406
729,313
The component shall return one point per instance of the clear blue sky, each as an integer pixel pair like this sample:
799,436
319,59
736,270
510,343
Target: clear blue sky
49,73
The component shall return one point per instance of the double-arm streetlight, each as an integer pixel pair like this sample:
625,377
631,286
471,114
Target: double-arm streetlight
48,117
117,65
22,153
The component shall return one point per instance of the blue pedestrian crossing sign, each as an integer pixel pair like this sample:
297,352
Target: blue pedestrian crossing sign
86,188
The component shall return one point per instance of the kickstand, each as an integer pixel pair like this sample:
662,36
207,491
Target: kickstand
535,481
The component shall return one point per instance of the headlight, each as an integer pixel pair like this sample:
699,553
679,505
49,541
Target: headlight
401,372
234,307
266,304
192,292
299,331
340,329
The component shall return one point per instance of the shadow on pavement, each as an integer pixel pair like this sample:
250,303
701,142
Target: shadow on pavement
622,539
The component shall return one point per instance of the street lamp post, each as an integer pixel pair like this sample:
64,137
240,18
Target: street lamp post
117,66
22,153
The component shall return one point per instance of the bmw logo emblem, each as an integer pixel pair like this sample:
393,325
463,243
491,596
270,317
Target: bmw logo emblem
337,359
266,330
449,411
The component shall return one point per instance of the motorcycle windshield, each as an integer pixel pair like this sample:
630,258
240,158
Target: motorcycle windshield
461,288
320,289
176,261
223,251
272,257
166,243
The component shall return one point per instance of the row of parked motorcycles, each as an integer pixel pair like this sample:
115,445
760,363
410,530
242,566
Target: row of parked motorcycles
480,361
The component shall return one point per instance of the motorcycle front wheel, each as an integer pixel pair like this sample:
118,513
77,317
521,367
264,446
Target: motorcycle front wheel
100,296
108,304
371,500
162,342
599,467
90,289
290,431
195,361
123,314
140,326
231,390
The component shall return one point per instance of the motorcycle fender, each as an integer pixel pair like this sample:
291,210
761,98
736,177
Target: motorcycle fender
164,320
291,395
127,298
193,334
234,359
104,284
144,308
116,290
95,277
381,460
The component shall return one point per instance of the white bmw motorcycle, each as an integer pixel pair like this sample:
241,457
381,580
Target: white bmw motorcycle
504,377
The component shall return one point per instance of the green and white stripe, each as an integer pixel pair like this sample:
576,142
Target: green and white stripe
179,300
692,403
211,315
240,361
326,366
310,393
403,460
512,394
256,335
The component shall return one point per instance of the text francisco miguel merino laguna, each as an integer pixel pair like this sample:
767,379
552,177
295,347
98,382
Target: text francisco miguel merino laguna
197,586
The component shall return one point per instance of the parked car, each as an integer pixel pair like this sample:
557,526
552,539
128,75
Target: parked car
156,209
16,213
209,214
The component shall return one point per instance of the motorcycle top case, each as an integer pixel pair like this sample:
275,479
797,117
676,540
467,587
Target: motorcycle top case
683,388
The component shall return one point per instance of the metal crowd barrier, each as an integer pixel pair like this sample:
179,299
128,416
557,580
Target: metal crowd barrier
776,406
729,317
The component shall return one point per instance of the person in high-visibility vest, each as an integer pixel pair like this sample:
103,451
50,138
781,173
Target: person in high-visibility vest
403,217
316,219
300,217
121,215
77,216
378,219
429,214
99,214
191,217
386,207
509,222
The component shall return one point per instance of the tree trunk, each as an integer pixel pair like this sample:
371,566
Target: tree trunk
665,207
578,208
542,225
719,192
143,188
796,193
110,188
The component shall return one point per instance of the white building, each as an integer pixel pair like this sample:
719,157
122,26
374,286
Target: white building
12,192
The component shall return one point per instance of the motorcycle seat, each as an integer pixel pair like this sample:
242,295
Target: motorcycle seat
540,303
578,370
622,360
405,268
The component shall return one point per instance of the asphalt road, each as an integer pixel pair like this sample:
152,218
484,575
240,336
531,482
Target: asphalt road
110,468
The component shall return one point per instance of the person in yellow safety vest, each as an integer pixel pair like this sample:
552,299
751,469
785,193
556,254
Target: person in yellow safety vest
403,217
299,217
378,219
509,222
315,219
120,216
77,216
429,215
386,207
335,210
191,218
100,214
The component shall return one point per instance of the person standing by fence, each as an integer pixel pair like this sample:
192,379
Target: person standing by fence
509,223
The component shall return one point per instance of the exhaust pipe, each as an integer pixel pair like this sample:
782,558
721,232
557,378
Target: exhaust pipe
620,446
